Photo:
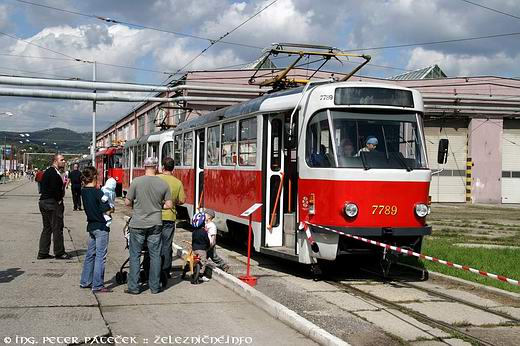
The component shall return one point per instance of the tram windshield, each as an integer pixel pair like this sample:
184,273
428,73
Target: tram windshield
116,161
364,140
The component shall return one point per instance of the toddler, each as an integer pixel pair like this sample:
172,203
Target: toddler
109,196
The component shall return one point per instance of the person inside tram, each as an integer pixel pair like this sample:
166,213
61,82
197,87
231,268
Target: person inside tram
320,159
370,145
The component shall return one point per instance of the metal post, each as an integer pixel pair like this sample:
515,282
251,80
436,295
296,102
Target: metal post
3,155
93,145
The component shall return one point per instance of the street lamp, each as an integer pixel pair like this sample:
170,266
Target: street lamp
9,114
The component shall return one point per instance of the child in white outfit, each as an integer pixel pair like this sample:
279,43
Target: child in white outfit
109,196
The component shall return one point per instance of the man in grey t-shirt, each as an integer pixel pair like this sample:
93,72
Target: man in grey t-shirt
148,195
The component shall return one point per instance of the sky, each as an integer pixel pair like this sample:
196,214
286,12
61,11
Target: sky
150,56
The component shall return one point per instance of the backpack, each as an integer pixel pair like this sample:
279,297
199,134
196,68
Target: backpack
39,176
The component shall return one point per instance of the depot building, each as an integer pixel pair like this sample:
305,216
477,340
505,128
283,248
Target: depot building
479,115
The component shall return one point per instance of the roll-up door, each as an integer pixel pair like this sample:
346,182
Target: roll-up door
450,184
511,166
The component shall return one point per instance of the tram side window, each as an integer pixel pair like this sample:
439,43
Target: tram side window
141,151
167,150
188,149
153,150
117,161
229,144
319,144
125,158
247,142
213,145
177,150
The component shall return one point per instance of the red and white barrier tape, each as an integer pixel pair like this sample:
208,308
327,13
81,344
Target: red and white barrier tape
416,254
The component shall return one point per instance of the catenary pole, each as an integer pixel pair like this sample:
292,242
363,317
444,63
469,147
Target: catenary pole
93,145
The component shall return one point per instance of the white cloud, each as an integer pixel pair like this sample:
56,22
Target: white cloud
465,64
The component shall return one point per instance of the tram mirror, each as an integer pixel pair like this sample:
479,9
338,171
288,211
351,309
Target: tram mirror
442,154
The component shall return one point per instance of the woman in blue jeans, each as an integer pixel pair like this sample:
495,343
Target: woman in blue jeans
93,275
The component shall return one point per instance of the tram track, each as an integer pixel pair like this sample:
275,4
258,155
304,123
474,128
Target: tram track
451,298
378,301
371,299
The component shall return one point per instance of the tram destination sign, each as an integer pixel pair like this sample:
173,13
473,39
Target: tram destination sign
373,96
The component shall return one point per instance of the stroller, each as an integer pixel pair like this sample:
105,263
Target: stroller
122,274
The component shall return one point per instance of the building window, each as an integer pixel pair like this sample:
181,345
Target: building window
229,144
187,152
247,142
140,126
177,150
213,145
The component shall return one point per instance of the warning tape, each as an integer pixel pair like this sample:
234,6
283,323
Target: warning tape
416,254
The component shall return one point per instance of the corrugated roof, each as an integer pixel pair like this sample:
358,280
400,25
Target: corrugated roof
430,72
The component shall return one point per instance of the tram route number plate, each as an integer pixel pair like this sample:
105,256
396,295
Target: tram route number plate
384,209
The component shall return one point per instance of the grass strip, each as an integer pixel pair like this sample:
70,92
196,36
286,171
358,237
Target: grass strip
503,261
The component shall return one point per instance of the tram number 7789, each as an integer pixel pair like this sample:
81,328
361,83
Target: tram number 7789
381,209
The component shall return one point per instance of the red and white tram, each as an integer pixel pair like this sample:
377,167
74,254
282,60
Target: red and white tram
158,145
301,152
109,165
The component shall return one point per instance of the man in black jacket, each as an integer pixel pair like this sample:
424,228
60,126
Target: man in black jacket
51,208
75,183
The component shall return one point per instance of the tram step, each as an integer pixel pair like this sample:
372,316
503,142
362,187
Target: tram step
280,251
289,223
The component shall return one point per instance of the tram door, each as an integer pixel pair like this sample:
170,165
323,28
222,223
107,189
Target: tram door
200,150
274,195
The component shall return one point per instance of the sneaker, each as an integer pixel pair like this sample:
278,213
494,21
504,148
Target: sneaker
44,256
127,291
88,286
102,290
204,279
225,268
64,256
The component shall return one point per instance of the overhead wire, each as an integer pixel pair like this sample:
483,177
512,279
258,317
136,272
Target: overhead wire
491,9
117,21
212,43
405,45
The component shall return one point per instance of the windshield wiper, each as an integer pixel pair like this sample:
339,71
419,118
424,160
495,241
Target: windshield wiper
402,161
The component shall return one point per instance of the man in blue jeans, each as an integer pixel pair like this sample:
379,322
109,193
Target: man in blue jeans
148,195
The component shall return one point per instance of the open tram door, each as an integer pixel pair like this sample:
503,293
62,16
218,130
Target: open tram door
199,151
279,166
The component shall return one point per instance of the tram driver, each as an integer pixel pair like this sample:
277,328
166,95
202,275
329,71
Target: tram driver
371,144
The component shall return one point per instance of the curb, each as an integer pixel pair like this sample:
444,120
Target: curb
273,308
476,284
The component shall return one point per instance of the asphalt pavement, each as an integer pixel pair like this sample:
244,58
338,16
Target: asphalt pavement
41,301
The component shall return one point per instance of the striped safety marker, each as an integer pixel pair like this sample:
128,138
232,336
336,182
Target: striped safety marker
314,246
416,254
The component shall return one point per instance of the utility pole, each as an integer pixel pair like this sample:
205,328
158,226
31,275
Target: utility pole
3,155
93,145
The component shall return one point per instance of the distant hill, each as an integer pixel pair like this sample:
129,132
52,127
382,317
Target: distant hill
67,141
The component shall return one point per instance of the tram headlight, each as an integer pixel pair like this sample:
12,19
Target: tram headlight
351,209
421,210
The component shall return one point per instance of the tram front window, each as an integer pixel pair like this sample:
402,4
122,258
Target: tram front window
363,140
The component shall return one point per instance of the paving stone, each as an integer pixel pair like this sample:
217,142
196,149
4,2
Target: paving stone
347,301
396,293
498,336
512,311
310,285
392,322
428,343
455,313
470,297
457,342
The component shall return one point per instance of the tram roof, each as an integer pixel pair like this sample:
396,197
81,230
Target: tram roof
250,106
